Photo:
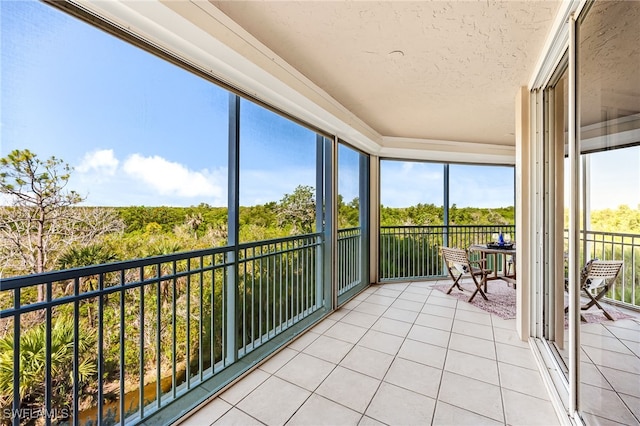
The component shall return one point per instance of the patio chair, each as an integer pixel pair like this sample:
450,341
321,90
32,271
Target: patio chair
595,280
458,260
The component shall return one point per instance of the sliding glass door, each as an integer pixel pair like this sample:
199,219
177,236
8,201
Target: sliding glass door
587,166
608,88
588,130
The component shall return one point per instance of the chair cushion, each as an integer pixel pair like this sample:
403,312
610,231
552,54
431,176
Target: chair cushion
589,283
462,268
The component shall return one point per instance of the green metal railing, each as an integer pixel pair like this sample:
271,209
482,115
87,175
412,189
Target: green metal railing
278,286
412,252
116,343
349,259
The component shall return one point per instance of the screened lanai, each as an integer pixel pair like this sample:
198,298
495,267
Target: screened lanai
275,180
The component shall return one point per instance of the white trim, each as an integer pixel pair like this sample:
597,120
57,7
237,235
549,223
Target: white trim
447,151
610,141
374,219
574,223
618,121
537,210
524,204
551,378
556,44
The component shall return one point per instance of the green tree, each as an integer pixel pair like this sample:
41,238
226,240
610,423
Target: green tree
37,191
298,210
92,254
40,217
153,228
348,214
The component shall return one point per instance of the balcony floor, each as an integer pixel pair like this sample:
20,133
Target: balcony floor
398,353
610,370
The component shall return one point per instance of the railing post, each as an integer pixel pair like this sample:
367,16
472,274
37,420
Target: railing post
16,359
445,213
48,384
76,335
323,220
331,228
365,227
233,220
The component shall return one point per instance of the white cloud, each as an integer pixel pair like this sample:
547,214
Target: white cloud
406,167
138,180
102,161
173,179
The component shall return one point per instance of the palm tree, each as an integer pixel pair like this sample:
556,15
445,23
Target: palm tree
33,362
76,257
194,221
92,254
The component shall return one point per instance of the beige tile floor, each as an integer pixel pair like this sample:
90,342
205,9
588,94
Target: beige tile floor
610,371
397,354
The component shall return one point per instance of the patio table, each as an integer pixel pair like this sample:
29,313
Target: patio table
497,252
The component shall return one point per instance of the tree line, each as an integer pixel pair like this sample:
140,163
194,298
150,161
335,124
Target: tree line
43,226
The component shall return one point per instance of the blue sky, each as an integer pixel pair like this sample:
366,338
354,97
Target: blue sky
141,131
137,130
71,91
615,179
405,184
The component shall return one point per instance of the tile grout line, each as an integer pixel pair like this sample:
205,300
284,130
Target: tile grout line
313,392
362,415
274,375
502,401
493,340
394,359
444,363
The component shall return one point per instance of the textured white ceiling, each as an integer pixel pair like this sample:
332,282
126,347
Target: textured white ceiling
443,70
610,62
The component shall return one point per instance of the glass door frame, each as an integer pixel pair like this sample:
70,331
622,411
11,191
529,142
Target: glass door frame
553,152
560,57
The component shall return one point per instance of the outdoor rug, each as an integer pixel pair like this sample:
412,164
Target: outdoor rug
592,316
502,298
502,302
595,315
